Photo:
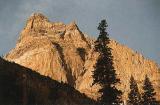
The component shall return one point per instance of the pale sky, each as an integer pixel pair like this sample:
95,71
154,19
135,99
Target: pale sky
135,23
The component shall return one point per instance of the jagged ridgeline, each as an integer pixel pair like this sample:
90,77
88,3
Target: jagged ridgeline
64,53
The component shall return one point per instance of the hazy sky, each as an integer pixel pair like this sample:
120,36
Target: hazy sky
135,23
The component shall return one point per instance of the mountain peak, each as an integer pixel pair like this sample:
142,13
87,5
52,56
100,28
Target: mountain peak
63,53
38,16
72,26
36,20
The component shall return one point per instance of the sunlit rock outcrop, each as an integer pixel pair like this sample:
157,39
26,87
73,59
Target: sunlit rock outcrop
64,53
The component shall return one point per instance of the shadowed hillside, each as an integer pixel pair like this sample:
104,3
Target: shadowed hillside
23,86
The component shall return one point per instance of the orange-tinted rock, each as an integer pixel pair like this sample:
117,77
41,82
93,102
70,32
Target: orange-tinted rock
64,53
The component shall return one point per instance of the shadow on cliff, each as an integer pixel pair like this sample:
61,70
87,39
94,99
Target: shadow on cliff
22,86
70,77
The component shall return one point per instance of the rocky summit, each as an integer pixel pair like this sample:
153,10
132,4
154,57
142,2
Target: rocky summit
63,53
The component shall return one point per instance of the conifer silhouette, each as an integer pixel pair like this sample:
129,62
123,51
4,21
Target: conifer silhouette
134,95
104,73
148,94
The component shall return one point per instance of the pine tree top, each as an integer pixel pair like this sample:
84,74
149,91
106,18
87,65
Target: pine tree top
134,95
148,94
104,73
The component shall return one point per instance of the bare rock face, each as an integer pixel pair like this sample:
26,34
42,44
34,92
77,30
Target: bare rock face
126,63
64,53
51,49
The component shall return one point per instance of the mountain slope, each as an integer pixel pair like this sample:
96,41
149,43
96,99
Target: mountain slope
22,86
64,53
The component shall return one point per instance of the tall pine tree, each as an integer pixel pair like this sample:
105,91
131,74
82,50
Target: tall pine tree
134,95
148,95
104,73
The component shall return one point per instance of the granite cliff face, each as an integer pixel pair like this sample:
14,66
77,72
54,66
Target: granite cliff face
64,53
